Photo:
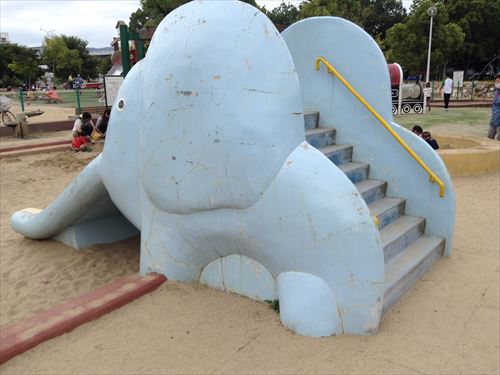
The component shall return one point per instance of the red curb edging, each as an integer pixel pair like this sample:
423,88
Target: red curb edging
18,338
35,145
33,151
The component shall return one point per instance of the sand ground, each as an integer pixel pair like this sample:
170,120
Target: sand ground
52,112
448,323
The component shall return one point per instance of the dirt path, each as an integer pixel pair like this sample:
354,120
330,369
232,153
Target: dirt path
447,323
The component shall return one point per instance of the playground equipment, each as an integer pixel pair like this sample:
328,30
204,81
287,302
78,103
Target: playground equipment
406,96
20,122
6,115
221,152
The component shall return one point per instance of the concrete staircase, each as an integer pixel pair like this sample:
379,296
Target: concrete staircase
408,251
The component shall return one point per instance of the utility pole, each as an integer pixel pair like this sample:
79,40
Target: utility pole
431,12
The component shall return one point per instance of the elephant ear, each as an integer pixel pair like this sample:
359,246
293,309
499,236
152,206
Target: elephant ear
223,108
119,166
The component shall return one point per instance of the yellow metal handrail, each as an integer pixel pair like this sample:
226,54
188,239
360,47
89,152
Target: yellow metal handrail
432,176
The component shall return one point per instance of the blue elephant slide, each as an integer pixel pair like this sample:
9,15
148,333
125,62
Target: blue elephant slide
243,167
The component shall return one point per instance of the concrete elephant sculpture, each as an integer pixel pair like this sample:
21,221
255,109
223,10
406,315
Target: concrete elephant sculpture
205,156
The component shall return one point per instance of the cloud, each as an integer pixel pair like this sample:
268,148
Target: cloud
91,20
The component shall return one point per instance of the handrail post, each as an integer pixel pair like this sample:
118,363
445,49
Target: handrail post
21,99
78,101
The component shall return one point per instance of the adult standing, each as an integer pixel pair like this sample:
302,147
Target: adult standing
447,90
494,130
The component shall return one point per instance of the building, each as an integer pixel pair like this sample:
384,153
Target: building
4,38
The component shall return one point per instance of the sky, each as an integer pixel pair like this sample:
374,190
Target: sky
28,21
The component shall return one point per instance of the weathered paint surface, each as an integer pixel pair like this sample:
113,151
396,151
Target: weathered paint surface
205,154
359,59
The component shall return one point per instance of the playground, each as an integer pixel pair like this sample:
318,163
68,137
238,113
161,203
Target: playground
272,218
447,323
452,310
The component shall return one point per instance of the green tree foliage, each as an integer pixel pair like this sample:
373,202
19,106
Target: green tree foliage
480,21
348,9
151,12
59,57
409,41
284,14
89,64
374,16
104,66
380,15
18,65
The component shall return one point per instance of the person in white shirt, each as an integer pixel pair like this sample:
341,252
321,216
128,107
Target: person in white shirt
428,95
447,90
83,126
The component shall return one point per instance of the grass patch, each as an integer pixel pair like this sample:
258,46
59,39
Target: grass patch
438,116
274,304
456,121
88,98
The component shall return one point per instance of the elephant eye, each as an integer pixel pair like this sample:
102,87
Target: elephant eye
121,104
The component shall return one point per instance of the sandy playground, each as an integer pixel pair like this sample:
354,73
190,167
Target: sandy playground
448,323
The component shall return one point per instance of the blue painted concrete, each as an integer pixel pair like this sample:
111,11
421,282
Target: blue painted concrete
320,138
338,154
225,190
311,120
365,68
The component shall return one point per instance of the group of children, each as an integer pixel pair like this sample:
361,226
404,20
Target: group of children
85,132
426,136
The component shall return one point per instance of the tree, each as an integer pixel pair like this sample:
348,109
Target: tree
26,67
408,41
480,21
89,64
348,9
104,66
57,55
18,65
284,14
151,12
380,15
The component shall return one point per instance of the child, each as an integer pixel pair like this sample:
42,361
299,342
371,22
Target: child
431,141
428,95
417,129
83,126
52,95
102,123
80,143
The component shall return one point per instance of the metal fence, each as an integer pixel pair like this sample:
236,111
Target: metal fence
65,98
470,91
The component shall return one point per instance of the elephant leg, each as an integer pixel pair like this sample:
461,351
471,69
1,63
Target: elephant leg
307,305
167,250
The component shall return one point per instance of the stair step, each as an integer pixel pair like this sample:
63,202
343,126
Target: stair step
321,137
402,271
356,172
387,210
396,236
311,120
338,154
371,190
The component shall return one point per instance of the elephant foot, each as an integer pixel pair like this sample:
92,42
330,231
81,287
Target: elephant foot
307,305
